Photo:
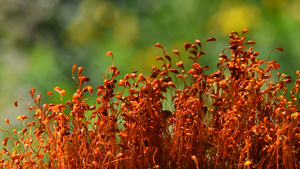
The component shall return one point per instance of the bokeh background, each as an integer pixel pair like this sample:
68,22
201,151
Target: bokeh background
41,40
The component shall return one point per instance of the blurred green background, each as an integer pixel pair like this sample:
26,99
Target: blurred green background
41,40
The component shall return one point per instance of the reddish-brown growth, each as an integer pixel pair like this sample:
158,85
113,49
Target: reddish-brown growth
236,117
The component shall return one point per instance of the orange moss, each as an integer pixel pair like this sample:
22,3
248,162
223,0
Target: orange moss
235,117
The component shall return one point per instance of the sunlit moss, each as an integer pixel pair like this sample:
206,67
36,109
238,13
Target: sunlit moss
234,17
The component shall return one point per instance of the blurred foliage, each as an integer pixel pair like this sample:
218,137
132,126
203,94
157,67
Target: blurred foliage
41,40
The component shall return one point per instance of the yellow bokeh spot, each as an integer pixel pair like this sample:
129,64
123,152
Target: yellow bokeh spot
91,19
236,18
81,30
127,30
274,4
106,14
95,17
293,10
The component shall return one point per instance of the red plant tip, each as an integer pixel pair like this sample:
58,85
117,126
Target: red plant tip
179,64
175,52
168,57
205,67
222,55
4,142
255,53
211,39
38,98
187,46
89,88
31,107
251,42
159,58
158,45
141,78
109,53
279,48
32,90
57,89
63,92
80,69
21,118
16,103
174,70
74,67
198,42
245,31
194,158
6,121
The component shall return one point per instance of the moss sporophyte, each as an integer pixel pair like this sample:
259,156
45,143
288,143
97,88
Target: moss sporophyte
236,117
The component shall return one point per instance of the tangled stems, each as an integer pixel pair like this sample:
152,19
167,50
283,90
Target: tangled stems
236,117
